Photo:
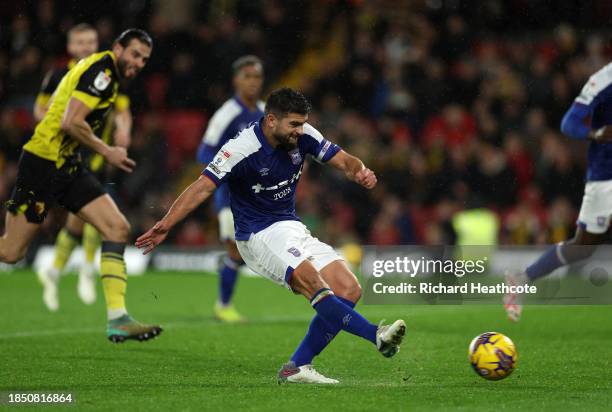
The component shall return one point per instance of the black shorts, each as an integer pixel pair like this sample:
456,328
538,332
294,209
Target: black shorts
40,185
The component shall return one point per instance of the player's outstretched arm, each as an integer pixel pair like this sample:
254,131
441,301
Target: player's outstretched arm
354,169
75,125
191,198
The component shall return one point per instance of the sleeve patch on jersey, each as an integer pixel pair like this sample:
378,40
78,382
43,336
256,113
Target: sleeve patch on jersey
221,158
102,80
324,150
215,170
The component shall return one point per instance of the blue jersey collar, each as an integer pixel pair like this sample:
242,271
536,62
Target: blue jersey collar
262,139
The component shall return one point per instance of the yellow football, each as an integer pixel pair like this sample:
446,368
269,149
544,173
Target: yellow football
493,355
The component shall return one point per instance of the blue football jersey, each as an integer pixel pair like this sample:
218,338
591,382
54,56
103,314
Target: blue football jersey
597,96
261,179
226,123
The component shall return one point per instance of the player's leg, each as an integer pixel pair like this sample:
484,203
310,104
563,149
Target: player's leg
280,253
228,275
307,281
67,239
85,196
28,206
345,286
104,215
18,234
87,273
49,276
26,210
580,247
593,223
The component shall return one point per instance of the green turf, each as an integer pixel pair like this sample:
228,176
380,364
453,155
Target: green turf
197,364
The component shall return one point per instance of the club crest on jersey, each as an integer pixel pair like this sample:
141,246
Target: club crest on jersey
294,251
102,80
296,157
601,221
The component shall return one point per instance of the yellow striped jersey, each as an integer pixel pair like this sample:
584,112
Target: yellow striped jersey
94,82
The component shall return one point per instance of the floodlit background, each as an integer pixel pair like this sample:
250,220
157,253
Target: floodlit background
455,104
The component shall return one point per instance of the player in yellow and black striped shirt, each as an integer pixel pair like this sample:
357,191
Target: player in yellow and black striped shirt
82,42
51,171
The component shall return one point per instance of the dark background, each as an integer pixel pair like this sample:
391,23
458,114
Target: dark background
455,105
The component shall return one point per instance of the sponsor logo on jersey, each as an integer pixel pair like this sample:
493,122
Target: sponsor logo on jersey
264,171
259,187
102,80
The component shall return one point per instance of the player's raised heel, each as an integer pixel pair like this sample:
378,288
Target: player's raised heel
389,338
126,328
513,302
290,373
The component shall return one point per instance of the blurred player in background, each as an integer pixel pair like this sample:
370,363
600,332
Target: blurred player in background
262,167
589,118
51,171
82,42
235,114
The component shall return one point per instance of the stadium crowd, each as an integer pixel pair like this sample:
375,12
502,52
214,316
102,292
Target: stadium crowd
453,110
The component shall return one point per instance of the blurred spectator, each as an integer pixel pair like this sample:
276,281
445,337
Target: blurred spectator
444,100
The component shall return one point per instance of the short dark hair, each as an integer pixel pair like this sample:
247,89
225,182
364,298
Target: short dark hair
283,101
80,28
128,35
245,61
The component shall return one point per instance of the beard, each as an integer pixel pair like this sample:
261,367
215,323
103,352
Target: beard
286,142
122,66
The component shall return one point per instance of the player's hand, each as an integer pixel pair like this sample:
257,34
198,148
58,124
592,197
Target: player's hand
366,178
152,238
602,135
117,156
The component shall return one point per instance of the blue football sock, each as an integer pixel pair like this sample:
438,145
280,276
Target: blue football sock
549,261
227,279
319,335
341,316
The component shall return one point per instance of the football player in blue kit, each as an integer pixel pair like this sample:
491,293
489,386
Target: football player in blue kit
262,167
233,116
589,118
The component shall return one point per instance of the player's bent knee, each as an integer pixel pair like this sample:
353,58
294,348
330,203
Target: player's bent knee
350,291
12,256
116,230
306,282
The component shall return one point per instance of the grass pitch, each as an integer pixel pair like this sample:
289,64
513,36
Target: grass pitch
565,353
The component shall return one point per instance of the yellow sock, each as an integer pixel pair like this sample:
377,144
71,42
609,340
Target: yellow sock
64,245
91,241
114,278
